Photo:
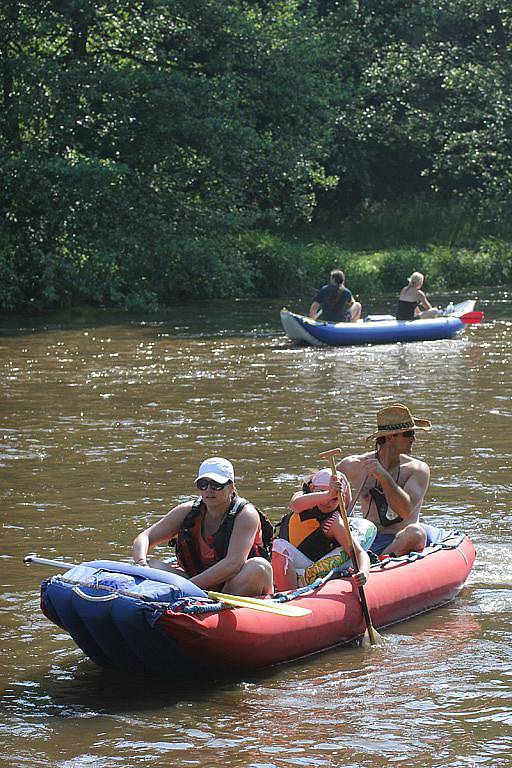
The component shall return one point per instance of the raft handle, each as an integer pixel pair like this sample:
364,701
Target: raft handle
93,598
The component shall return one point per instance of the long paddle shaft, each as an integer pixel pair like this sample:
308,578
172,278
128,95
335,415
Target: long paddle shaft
372,634
29,559
266,606
355,498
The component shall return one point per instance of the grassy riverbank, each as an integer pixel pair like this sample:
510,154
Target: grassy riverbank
284,264
271,264
377,249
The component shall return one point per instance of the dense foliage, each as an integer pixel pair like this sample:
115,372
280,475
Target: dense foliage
155,150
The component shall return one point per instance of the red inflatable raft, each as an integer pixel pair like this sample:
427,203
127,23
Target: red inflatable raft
135,618
397,589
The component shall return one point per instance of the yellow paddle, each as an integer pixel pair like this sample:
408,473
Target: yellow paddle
257,604
371,633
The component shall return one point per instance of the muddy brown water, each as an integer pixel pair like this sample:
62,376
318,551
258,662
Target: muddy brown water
103,425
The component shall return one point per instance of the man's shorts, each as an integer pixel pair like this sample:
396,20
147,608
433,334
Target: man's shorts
434,536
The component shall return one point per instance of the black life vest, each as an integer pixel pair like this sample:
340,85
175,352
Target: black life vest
187,549
386,515
303,530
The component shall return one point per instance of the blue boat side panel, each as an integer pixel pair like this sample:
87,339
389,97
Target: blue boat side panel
56,600
96,615
111,611
158,653
388,332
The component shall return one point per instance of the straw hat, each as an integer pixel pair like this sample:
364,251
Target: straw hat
397,418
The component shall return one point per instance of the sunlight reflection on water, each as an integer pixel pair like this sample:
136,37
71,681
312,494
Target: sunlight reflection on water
103,429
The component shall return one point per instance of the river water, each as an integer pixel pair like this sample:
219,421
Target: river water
104,424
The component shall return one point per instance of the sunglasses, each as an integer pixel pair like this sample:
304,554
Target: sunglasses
204,482
410,433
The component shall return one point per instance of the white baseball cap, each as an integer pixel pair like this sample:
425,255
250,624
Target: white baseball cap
217,469
322,478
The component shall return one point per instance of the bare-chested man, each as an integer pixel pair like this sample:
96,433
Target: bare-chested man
393,483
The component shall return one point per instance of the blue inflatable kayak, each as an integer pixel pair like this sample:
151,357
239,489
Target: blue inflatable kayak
373,330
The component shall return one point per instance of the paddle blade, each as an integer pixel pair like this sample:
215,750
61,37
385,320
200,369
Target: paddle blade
472,318
371,637
257,604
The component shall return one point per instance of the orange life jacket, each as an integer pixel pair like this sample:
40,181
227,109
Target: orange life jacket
303,530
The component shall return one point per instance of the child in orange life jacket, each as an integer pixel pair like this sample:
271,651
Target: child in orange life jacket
314,530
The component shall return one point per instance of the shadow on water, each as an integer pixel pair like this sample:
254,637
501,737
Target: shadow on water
81,689
77,690
207,319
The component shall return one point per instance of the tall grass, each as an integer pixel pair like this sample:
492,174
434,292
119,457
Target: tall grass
283,265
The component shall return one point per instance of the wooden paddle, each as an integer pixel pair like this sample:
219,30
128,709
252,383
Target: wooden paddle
371,632
355,498
255,603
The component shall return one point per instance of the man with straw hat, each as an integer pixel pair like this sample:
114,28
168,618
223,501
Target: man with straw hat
393,484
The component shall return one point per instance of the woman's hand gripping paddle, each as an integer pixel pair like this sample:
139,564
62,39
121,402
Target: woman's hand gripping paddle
371,633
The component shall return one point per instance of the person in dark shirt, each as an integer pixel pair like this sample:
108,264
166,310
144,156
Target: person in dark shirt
334,303
412,298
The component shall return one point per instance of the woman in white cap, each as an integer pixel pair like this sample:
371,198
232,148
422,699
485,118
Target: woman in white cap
312,538
222,541
412,298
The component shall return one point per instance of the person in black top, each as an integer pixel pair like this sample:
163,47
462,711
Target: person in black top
412,298
334,303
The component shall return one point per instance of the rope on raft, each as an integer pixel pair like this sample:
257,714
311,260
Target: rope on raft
194,605
203,605
452,542
285,597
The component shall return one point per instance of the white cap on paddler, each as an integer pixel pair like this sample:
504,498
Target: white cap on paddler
218,469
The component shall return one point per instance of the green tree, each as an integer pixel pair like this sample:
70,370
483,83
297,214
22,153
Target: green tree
429,106
140,137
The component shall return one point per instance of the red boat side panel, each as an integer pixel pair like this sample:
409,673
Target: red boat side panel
246,639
